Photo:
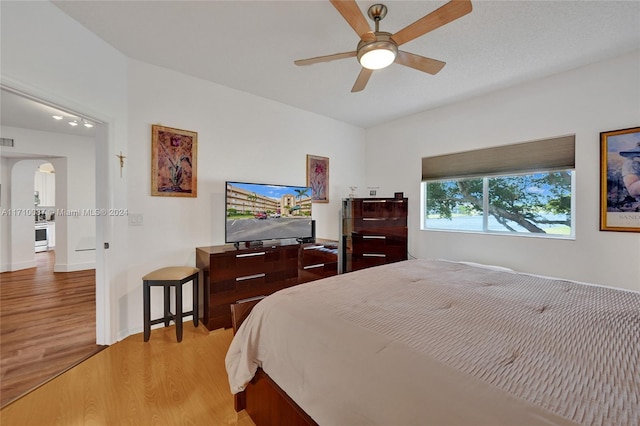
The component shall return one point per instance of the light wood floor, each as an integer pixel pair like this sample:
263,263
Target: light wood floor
47,324
160,382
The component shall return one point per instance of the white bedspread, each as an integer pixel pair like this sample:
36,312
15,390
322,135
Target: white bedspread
427,342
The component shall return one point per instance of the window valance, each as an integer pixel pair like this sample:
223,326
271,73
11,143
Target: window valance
541,155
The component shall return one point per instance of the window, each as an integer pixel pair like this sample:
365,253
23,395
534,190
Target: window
538,203
502,190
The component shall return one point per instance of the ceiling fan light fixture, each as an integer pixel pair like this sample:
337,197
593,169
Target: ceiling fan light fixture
379,49
376,59
377,54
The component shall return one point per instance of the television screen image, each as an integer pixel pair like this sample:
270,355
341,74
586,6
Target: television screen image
258,212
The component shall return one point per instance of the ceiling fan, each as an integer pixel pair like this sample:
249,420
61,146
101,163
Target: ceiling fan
378,49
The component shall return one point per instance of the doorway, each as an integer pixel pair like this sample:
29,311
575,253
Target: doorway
44,194
99,165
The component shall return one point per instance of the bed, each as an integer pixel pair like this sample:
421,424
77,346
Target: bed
435,342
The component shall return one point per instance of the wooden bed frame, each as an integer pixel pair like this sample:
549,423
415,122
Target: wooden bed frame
265,402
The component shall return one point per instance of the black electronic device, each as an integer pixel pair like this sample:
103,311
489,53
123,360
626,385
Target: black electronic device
312,238
256,212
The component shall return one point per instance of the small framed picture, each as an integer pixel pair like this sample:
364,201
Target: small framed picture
318,178
399,195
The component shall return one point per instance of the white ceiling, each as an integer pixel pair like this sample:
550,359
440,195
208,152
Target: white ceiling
251,46
25,112
20,110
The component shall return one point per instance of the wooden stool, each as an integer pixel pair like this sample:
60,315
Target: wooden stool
172,276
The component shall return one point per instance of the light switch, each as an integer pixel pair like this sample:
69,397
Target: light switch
135,220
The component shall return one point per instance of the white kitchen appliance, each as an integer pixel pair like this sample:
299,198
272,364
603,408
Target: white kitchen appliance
42,237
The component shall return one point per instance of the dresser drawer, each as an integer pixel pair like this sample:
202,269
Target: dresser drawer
315,254
362,262
380,226
378,244
317,261
231,266
317,271
378,208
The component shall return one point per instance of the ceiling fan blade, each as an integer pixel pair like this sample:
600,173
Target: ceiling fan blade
362,80
354,17
420,63
326,58
439,17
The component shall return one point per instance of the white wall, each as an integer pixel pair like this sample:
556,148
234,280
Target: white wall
240,137
73,159
584,102
21,253
5,230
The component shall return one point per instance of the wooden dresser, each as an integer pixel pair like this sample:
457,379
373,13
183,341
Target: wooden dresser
229,274
374,232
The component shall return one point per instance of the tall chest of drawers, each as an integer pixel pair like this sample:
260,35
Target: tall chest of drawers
374,232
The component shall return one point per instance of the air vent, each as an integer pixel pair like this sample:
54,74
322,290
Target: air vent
6,142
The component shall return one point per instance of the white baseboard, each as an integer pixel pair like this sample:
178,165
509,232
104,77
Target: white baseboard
22,265
74,267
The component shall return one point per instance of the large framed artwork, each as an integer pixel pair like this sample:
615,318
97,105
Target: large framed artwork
173,162
620,180
318,178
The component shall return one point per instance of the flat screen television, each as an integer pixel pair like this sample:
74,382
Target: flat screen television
259,212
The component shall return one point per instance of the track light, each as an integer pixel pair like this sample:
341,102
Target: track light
74,121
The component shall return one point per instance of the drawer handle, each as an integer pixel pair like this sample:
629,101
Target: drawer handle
374,201
250,299
261,253
319,265
373,255
250,277
312,247
374,237
374,218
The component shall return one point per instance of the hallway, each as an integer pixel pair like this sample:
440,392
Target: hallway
47,324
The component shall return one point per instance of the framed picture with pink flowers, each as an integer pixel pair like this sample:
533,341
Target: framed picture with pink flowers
318,178
173,162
